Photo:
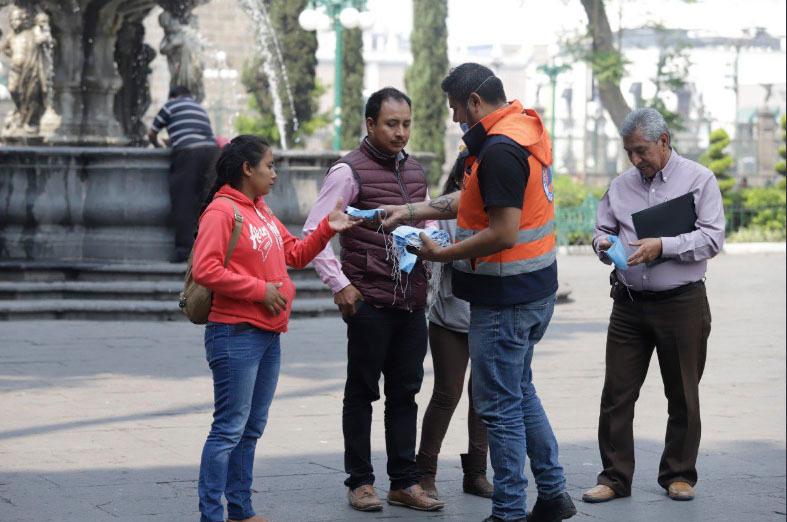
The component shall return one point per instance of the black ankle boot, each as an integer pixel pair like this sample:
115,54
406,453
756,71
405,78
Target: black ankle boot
475,482
427,470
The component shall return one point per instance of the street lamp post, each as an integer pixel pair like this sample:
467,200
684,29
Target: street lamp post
323,15
221,72
553,71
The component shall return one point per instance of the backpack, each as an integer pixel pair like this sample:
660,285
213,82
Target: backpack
195,300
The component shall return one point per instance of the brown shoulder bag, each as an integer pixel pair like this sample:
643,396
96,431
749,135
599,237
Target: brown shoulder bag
195,300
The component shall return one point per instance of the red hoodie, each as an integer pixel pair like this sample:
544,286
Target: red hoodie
264,250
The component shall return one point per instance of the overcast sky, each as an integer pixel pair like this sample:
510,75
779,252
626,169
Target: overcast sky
508,21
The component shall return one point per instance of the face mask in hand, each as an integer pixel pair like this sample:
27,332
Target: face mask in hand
616,253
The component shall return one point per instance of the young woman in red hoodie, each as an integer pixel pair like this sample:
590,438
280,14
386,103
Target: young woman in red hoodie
252,299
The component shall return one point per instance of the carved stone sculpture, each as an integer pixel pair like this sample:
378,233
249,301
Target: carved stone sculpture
133,57
29,50
182,47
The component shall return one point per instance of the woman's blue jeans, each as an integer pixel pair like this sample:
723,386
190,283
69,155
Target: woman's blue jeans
245,364
501,341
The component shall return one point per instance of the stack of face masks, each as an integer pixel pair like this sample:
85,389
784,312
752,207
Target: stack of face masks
405,236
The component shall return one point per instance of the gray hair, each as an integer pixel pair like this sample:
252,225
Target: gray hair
649,121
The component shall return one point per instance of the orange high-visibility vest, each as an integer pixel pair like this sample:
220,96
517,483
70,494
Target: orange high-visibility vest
535,246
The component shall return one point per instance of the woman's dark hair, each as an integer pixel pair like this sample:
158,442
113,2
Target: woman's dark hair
454,180
229,167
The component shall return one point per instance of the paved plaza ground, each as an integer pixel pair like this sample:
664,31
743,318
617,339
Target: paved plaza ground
105,421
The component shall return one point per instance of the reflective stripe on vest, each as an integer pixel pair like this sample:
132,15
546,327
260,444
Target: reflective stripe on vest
506,269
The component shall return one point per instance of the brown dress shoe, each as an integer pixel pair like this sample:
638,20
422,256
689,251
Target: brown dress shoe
414,497
600,493
364,498
255,518
680,491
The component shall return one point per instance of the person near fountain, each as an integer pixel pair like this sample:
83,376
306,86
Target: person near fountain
252,300
194,152
449,322
386,323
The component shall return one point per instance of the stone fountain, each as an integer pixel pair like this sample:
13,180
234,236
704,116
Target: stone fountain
84,203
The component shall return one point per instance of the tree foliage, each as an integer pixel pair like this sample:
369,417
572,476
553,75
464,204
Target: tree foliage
298,49
781,165
352,88
597,48
719,161
429,45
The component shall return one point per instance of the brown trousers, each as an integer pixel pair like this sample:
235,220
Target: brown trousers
450,354
678,327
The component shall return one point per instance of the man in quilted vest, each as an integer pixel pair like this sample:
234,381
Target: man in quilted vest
386,324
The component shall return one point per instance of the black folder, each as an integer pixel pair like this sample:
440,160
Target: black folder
671,218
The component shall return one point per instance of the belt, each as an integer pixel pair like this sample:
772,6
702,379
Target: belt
619,291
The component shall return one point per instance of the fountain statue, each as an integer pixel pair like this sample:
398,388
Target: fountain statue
183,49
29,50
77,182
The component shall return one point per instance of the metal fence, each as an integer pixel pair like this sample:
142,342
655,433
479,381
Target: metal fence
575,225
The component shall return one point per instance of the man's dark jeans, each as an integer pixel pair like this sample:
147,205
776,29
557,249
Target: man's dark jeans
191,173
392,343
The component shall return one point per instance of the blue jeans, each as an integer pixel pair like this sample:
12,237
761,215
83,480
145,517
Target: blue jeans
501,349
245,364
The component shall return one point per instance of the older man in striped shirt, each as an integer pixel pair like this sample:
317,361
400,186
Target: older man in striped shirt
194,152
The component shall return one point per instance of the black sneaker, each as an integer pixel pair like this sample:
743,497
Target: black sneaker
552,510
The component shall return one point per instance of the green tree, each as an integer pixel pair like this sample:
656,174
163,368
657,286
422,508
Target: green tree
781,165
298,49
719,161
352,88
599,48
428,42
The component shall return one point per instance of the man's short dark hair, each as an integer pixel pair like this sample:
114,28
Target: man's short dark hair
376,101
177,92
469,78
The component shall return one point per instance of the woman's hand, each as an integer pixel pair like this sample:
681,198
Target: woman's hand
338,220
273,301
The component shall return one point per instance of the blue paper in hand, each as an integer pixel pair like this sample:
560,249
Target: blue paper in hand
364,214
616,253
405,236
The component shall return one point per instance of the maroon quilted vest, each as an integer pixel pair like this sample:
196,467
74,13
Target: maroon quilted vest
382,180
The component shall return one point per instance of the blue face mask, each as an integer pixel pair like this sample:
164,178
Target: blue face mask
373,213
465,127
616,253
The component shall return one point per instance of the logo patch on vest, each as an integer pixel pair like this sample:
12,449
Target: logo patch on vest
546,182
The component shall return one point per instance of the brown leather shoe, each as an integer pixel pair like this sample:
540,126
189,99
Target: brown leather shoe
364,498
414,497
600,493
680,491
255,518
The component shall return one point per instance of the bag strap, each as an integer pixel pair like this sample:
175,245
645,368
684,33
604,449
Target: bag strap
235,232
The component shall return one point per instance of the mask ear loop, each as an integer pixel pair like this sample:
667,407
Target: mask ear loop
622,279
